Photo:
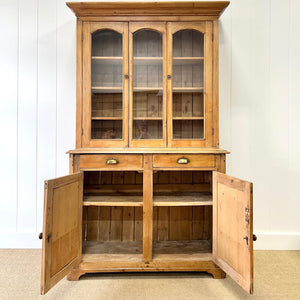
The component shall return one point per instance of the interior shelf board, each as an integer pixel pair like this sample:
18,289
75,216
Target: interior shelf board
187,89
95,251
111,89
188,118
107,118
193,199
148,118
107,57
113,60
118,200
142,89
182,250
187,60
147,60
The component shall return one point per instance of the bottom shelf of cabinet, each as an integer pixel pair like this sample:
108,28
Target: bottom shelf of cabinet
117,251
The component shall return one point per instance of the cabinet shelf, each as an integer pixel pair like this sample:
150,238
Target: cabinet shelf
188,118
182,250
187,60
147,60
95,251
146,89
189,199
112,60
109,89
148,118
119,200
107,118
187,89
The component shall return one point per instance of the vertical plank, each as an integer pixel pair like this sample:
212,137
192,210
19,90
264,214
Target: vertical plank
116,223
177,105
152,105
8,113
92,223
47,102
180,223
27,118
147,208
138,223
104,223
66,88
198,223
154,223
163,217
197,104
128,224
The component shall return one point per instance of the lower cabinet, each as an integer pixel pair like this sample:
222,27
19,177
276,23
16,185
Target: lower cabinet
152,219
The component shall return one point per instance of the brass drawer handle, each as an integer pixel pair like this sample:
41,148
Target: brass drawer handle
183,160
112,161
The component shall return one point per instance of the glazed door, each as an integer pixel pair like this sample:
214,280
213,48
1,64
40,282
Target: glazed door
147,88
233,228
105,84
61,229
189,84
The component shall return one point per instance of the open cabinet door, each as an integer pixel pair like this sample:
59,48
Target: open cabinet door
233,228
61,228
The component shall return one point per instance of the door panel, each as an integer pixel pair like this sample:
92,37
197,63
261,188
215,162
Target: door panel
189,84
105,84
233,228
147,88
62,228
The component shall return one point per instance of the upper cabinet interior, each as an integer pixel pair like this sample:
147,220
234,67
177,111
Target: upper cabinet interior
146,79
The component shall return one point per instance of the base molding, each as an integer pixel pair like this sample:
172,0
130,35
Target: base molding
139,266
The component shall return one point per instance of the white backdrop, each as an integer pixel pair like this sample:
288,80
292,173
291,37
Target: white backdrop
259,111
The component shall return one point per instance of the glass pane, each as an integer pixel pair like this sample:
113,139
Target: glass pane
107,84
147,85
188,85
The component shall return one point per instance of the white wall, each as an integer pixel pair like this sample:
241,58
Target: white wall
259,111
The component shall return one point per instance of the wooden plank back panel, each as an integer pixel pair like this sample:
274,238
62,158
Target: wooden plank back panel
182,223
232,240
113,223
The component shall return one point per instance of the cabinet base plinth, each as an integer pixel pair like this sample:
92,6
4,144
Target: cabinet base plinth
153,266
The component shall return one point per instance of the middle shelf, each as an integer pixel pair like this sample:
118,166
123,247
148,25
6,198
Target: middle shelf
185,199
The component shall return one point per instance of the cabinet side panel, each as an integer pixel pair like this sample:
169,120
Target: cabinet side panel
216,83
78,84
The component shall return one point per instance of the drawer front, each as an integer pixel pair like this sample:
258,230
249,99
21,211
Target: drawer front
111,162
184,161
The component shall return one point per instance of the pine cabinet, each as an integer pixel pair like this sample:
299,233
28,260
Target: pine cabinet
147,190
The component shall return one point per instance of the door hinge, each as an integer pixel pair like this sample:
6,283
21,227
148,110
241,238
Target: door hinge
212,131
212,37
82,131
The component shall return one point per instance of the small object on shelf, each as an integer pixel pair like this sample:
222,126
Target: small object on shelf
109,134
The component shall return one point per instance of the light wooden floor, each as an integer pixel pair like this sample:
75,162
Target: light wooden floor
277,276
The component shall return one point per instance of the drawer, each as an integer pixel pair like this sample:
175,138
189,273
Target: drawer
111,162
184,161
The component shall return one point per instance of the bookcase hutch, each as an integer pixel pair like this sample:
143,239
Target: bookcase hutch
147,190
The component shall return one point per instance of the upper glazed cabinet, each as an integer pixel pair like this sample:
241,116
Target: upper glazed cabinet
147,84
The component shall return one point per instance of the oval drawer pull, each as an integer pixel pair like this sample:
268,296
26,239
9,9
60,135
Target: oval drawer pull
112,161
183,160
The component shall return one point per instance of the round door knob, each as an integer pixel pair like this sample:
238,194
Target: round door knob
40,235
254,237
